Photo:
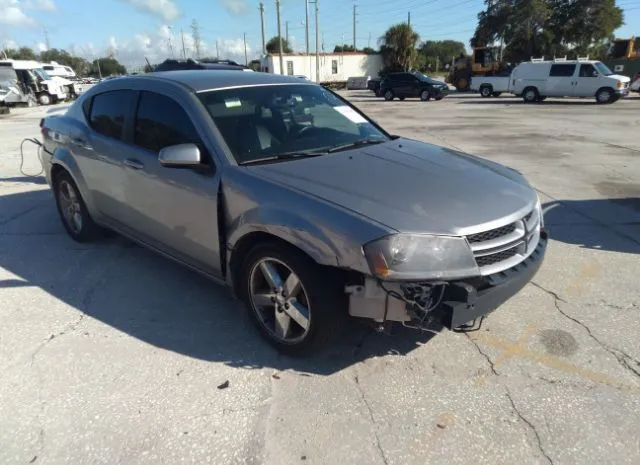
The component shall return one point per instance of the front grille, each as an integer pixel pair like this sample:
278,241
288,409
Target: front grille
493,234
498,249
496,257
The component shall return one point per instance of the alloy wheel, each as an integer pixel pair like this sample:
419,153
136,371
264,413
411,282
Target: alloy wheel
70,206
279,299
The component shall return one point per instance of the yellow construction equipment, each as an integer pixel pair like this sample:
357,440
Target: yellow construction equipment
485,61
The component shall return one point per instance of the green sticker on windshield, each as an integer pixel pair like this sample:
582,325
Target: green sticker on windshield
233,103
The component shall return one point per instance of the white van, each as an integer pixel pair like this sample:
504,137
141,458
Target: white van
32,77
537,79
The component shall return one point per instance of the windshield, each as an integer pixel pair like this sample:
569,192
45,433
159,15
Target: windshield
41,73
603,69
272,121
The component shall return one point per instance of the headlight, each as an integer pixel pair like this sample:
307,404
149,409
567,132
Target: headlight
419,256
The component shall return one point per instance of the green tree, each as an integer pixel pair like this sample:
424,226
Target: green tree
107,67
344,48
547,27
273,45
398,47
438,53
23,53
368,50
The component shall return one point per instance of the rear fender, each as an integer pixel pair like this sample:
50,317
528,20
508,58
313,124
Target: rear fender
62,158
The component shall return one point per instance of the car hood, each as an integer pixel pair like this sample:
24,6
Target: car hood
411,186
619,77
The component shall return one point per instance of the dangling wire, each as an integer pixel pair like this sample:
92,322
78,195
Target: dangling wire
39,144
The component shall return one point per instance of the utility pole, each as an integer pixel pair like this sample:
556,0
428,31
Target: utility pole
246,59
184,51
46,39
280,37
317,45
306,25
264,46
286,28
196,37
409,19
354,26
169,40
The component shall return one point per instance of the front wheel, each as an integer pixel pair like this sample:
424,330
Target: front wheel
388,95
290,299
425,96
605,95
45,99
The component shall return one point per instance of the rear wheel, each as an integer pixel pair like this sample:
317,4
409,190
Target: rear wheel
388,95
486,91
290,298
425,95
73,211
530,95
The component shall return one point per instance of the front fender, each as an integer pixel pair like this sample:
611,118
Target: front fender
290,227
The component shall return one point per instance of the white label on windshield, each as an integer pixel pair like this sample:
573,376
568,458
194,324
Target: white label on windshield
350,113
232,103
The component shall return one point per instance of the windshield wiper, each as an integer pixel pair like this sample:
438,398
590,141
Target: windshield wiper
353,145
282,156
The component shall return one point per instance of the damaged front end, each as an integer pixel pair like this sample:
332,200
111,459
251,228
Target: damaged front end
455,304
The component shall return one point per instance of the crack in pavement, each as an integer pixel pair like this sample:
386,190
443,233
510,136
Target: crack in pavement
483,354
530,425
624,360
373,420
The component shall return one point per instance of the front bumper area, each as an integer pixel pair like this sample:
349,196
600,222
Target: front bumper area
461,301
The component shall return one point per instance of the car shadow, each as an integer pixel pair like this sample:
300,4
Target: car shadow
157,301
609,224
23,179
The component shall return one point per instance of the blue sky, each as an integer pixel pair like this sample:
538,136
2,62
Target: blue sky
138,28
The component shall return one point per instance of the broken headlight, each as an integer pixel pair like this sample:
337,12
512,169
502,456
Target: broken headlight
420,257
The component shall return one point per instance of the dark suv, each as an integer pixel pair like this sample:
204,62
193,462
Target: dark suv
403,85
175,65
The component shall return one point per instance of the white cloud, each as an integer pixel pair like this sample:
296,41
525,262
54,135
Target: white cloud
158,45
11,14
165,9
235,7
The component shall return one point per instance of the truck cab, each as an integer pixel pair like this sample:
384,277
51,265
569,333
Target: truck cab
34,79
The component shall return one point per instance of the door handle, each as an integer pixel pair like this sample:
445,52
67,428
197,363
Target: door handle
133,163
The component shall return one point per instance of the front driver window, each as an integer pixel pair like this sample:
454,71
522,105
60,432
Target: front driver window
587,71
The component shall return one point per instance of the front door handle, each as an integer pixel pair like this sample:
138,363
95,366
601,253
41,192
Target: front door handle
83,144
133,163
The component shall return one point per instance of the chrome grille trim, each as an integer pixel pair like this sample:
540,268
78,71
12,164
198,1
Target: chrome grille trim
502,248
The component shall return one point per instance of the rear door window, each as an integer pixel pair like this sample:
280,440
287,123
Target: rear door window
162,122
109,112
564,70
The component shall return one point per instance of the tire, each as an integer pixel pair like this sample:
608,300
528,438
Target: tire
530,95
318,294
45,99
73,211
605,95
496,94
388,95
486,91
425,95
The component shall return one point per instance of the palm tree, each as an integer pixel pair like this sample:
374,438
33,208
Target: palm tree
398,47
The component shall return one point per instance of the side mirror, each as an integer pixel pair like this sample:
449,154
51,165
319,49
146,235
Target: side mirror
180,156
596,74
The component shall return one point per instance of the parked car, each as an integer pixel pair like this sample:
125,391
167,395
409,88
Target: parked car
181,65
403,85
635,86
283,191
536,80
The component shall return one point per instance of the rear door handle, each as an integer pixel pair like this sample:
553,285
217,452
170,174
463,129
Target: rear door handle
133,163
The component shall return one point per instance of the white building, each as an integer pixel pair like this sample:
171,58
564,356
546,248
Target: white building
334,67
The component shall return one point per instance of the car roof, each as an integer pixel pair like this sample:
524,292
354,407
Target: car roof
201,79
